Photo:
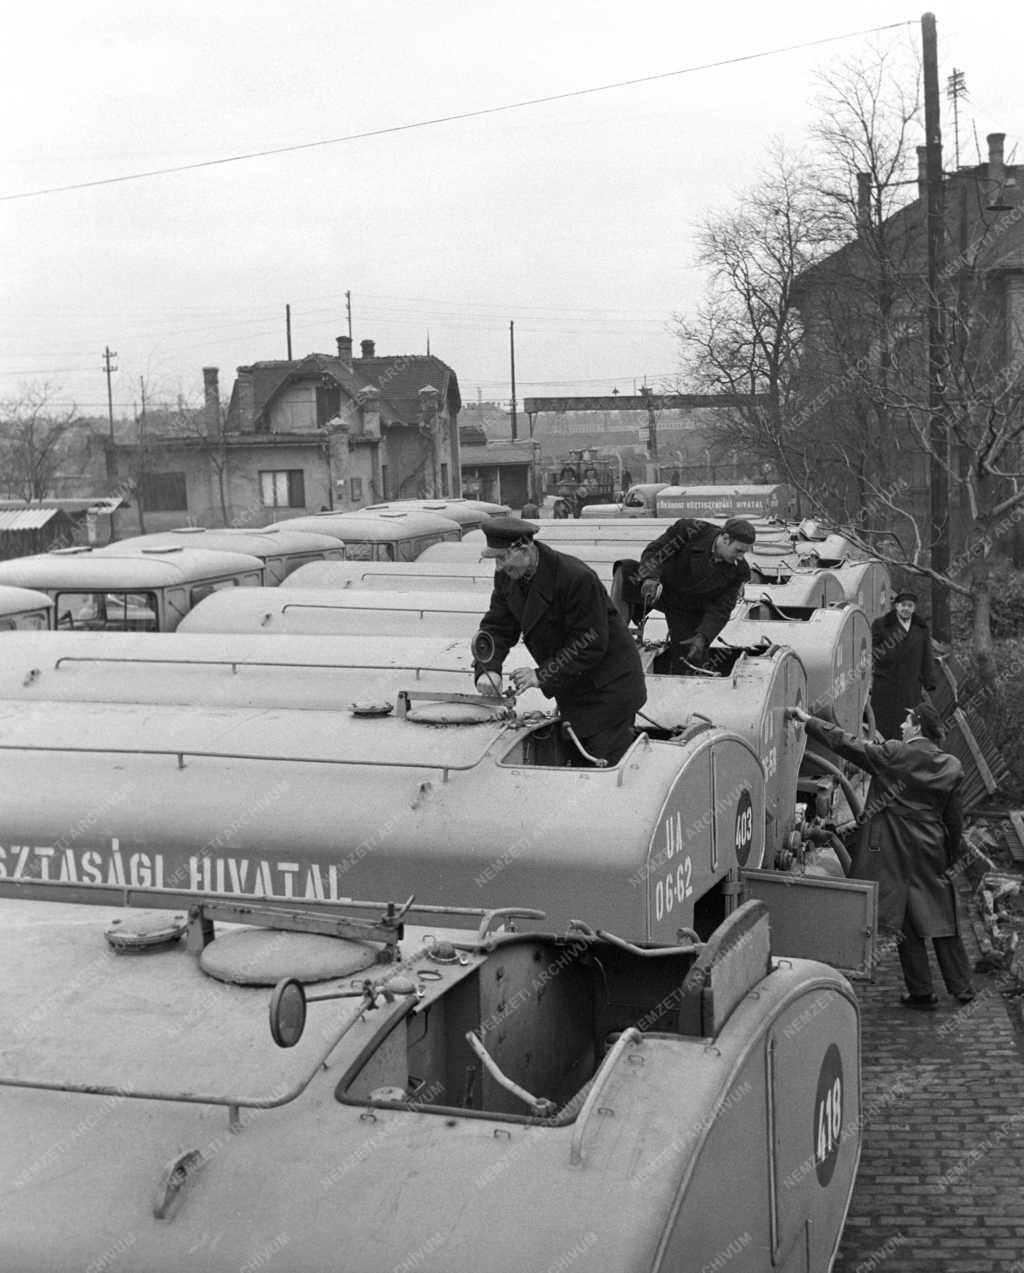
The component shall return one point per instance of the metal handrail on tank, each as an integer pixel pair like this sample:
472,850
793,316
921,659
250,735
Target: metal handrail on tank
420,610
180,754
234,664
628,1038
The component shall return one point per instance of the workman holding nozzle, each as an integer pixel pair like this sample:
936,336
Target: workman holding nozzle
909,841
695,572
586,659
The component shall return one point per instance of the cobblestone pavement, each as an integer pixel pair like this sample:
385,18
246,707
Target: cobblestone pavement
941,1182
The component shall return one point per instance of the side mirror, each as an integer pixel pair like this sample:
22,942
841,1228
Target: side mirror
287,1012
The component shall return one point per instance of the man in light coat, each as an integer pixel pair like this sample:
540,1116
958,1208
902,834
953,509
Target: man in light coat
909,839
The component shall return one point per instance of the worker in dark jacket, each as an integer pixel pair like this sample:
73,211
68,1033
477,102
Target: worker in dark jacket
695,572
909,839
586,659
901,656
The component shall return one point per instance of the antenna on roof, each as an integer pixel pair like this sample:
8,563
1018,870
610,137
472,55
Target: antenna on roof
956,87
428,344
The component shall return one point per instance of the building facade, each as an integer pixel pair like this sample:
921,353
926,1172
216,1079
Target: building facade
327,431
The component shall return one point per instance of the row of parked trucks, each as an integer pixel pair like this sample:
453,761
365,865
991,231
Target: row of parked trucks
398,966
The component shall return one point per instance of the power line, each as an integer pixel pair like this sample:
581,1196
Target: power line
449,119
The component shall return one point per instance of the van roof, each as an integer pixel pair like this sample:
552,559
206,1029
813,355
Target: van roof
380,527
272,541
106,568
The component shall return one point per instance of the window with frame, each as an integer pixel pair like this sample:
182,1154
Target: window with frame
283,488
355,490
164,492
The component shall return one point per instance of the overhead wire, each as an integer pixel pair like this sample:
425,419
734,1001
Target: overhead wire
452,118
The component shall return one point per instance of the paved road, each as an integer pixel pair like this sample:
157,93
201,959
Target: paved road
941,1183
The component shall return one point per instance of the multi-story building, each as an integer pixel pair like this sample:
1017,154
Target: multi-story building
327,431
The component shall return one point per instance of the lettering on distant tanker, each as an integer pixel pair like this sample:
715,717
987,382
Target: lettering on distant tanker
198,872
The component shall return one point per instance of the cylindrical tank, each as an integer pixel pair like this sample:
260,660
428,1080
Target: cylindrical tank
801,593
751,700
416,576
835,649
314,673
310,610
380,1142
867,584
318,804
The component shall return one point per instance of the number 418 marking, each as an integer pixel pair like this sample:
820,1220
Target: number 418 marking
830,1120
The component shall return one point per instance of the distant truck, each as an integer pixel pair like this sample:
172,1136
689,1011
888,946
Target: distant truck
579,481
656,499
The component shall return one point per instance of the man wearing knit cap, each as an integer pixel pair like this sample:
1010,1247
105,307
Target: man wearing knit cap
695,572
586,658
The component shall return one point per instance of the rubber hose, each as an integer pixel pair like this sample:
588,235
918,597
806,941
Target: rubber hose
856,808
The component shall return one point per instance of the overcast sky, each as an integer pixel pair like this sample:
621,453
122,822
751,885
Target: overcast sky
575,218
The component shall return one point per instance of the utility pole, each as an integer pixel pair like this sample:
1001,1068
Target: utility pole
348,310
109,456
140,469
288,329
937,430
652,427
109,353
512,351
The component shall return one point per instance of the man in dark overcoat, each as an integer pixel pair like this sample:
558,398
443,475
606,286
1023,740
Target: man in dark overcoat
901,656
587,661
695,572
908,840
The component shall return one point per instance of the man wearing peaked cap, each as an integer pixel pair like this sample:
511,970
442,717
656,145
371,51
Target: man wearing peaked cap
695,572
503,533
586,659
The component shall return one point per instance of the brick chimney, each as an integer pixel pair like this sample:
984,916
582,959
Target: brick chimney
211,397
345,349
922,172
367,347
996,168
245,396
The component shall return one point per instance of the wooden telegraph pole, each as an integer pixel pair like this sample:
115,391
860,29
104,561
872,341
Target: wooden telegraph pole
937,430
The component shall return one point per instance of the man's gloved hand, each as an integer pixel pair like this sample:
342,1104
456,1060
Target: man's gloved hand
650,591
489,684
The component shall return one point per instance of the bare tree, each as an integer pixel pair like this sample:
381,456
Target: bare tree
746,336
33,432
836,338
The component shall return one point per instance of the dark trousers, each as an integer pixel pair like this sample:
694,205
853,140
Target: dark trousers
610,744
682,625
949,951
